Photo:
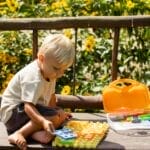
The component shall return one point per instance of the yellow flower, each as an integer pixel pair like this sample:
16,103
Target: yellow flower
3,12
5,58
59,4
12,4
130,4
84,12
27,51
117,4
5,83
94,13
2,3
9,77
2,8
89,43
1,55
55,5
66,90
64,3
88,2
13,59
68,33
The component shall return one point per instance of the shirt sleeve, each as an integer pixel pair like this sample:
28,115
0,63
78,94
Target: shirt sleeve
29,91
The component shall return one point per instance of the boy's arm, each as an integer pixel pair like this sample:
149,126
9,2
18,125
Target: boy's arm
36,117
52,102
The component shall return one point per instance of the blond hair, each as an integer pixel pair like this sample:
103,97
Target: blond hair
60,46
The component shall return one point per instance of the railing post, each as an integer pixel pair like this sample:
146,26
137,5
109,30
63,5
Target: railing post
115,54
35,43
74,64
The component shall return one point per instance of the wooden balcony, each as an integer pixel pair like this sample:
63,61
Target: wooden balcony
113,140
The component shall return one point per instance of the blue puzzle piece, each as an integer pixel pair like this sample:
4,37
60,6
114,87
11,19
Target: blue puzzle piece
65,133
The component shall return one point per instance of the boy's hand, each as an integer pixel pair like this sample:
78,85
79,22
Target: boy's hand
48,126
68,115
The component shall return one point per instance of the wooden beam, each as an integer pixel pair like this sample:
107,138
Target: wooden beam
35,43
74,22
115,54
80,102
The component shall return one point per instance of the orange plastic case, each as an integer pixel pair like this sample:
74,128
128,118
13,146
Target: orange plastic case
125,95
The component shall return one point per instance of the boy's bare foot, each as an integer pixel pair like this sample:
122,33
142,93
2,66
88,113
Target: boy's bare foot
18,139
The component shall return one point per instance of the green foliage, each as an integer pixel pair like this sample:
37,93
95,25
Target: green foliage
15,52
94,46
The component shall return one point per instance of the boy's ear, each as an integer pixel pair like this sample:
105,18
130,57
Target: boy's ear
41,57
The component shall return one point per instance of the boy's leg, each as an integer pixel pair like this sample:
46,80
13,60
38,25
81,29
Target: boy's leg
31,128
18,137
57,116
43,136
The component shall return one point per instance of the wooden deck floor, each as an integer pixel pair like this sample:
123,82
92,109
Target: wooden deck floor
4,144
113,140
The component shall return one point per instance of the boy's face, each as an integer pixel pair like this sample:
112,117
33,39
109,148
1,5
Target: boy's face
52,69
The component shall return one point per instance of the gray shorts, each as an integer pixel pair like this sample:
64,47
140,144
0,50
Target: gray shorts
19,117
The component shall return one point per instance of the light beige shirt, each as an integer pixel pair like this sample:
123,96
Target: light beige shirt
28,85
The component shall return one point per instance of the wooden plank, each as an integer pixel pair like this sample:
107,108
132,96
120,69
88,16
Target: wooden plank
78,101
115,54
74,22
4,144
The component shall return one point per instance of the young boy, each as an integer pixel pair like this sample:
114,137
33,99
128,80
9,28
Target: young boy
28,106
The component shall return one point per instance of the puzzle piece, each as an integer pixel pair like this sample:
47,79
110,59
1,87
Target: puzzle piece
65,133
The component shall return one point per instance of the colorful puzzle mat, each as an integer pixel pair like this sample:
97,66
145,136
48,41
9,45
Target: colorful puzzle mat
89,134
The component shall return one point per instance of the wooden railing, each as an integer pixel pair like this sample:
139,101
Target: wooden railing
113,22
